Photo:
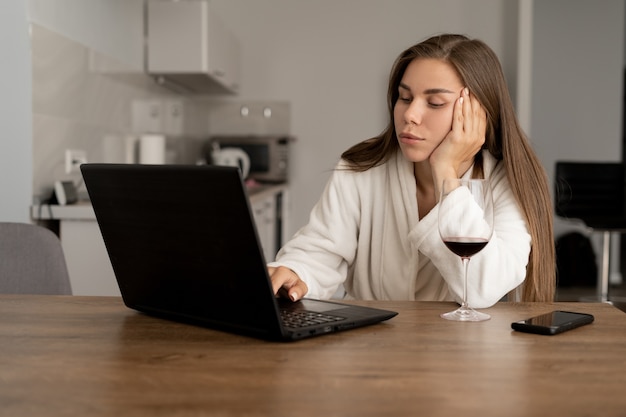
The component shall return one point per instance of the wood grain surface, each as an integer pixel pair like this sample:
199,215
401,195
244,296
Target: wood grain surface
92,356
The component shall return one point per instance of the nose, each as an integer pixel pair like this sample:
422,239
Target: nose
413,113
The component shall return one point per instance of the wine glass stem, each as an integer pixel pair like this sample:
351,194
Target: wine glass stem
465,261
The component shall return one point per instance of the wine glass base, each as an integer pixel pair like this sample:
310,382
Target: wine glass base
465,314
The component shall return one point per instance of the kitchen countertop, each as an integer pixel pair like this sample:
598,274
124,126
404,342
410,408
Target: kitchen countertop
83,210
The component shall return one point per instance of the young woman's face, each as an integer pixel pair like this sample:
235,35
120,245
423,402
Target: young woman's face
423,112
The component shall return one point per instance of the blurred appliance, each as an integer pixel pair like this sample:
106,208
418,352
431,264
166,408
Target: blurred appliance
230,156
65,192
269,154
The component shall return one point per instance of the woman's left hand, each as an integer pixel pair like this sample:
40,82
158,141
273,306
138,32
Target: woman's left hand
455,154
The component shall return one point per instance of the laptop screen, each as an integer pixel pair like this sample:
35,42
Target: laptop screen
182,241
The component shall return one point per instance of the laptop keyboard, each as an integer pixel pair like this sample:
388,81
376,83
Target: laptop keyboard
303,318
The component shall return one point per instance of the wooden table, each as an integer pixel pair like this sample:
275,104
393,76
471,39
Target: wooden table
91,356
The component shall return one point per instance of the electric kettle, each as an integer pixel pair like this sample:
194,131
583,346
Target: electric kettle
235,157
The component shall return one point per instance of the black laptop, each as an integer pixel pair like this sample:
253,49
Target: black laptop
183,245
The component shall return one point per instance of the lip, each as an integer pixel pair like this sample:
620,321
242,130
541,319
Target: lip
409,138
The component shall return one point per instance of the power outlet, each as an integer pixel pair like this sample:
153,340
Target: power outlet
173,116
147,116
73,159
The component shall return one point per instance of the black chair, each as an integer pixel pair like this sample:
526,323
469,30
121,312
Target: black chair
593,192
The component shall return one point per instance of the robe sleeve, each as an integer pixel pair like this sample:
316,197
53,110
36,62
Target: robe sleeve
321,252
499,267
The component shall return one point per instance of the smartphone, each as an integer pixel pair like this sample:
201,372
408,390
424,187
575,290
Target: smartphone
552,323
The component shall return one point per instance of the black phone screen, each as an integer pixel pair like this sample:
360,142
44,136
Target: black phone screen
553,322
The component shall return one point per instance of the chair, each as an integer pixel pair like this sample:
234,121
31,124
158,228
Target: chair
593,192
31,261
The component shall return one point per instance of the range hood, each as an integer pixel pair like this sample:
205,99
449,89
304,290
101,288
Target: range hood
191,83
189,49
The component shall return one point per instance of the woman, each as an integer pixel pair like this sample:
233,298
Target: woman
374,229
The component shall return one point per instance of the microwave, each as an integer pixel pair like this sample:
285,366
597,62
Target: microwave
269,155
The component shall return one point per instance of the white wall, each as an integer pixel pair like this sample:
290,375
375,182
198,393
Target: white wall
15,114
578,56
331,60
577,82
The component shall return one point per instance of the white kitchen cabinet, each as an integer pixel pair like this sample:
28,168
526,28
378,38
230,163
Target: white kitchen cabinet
224,51
87,260
190,47
114,29
86,257
270,209
265,219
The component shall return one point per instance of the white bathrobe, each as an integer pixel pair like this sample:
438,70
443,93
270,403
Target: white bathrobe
365,233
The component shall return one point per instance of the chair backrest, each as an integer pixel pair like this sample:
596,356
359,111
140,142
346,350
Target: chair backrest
31,261
593,192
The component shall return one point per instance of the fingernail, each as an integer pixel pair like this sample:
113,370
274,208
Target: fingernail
466,91
461,100
293,296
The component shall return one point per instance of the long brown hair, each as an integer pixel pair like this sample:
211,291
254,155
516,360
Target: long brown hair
480,70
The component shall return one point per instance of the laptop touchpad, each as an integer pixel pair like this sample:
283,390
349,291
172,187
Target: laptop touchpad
313,305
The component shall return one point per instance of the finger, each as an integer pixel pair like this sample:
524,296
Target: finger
457,117
468,103
297,291
278,276
479,116
293,291
287,284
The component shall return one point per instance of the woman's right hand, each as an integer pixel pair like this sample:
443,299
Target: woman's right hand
287,283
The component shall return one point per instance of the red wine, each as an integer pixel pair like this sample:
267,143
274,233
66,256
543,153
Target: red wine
465,246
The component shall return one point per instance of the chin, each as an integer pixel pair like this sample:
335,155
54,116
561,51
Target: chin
414,155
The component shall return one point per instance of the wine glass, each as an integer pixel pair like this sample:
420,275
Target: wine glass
465,226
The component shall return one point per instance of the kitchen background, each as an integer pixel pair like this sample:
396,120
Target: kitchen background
89,76
83,100
73,83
